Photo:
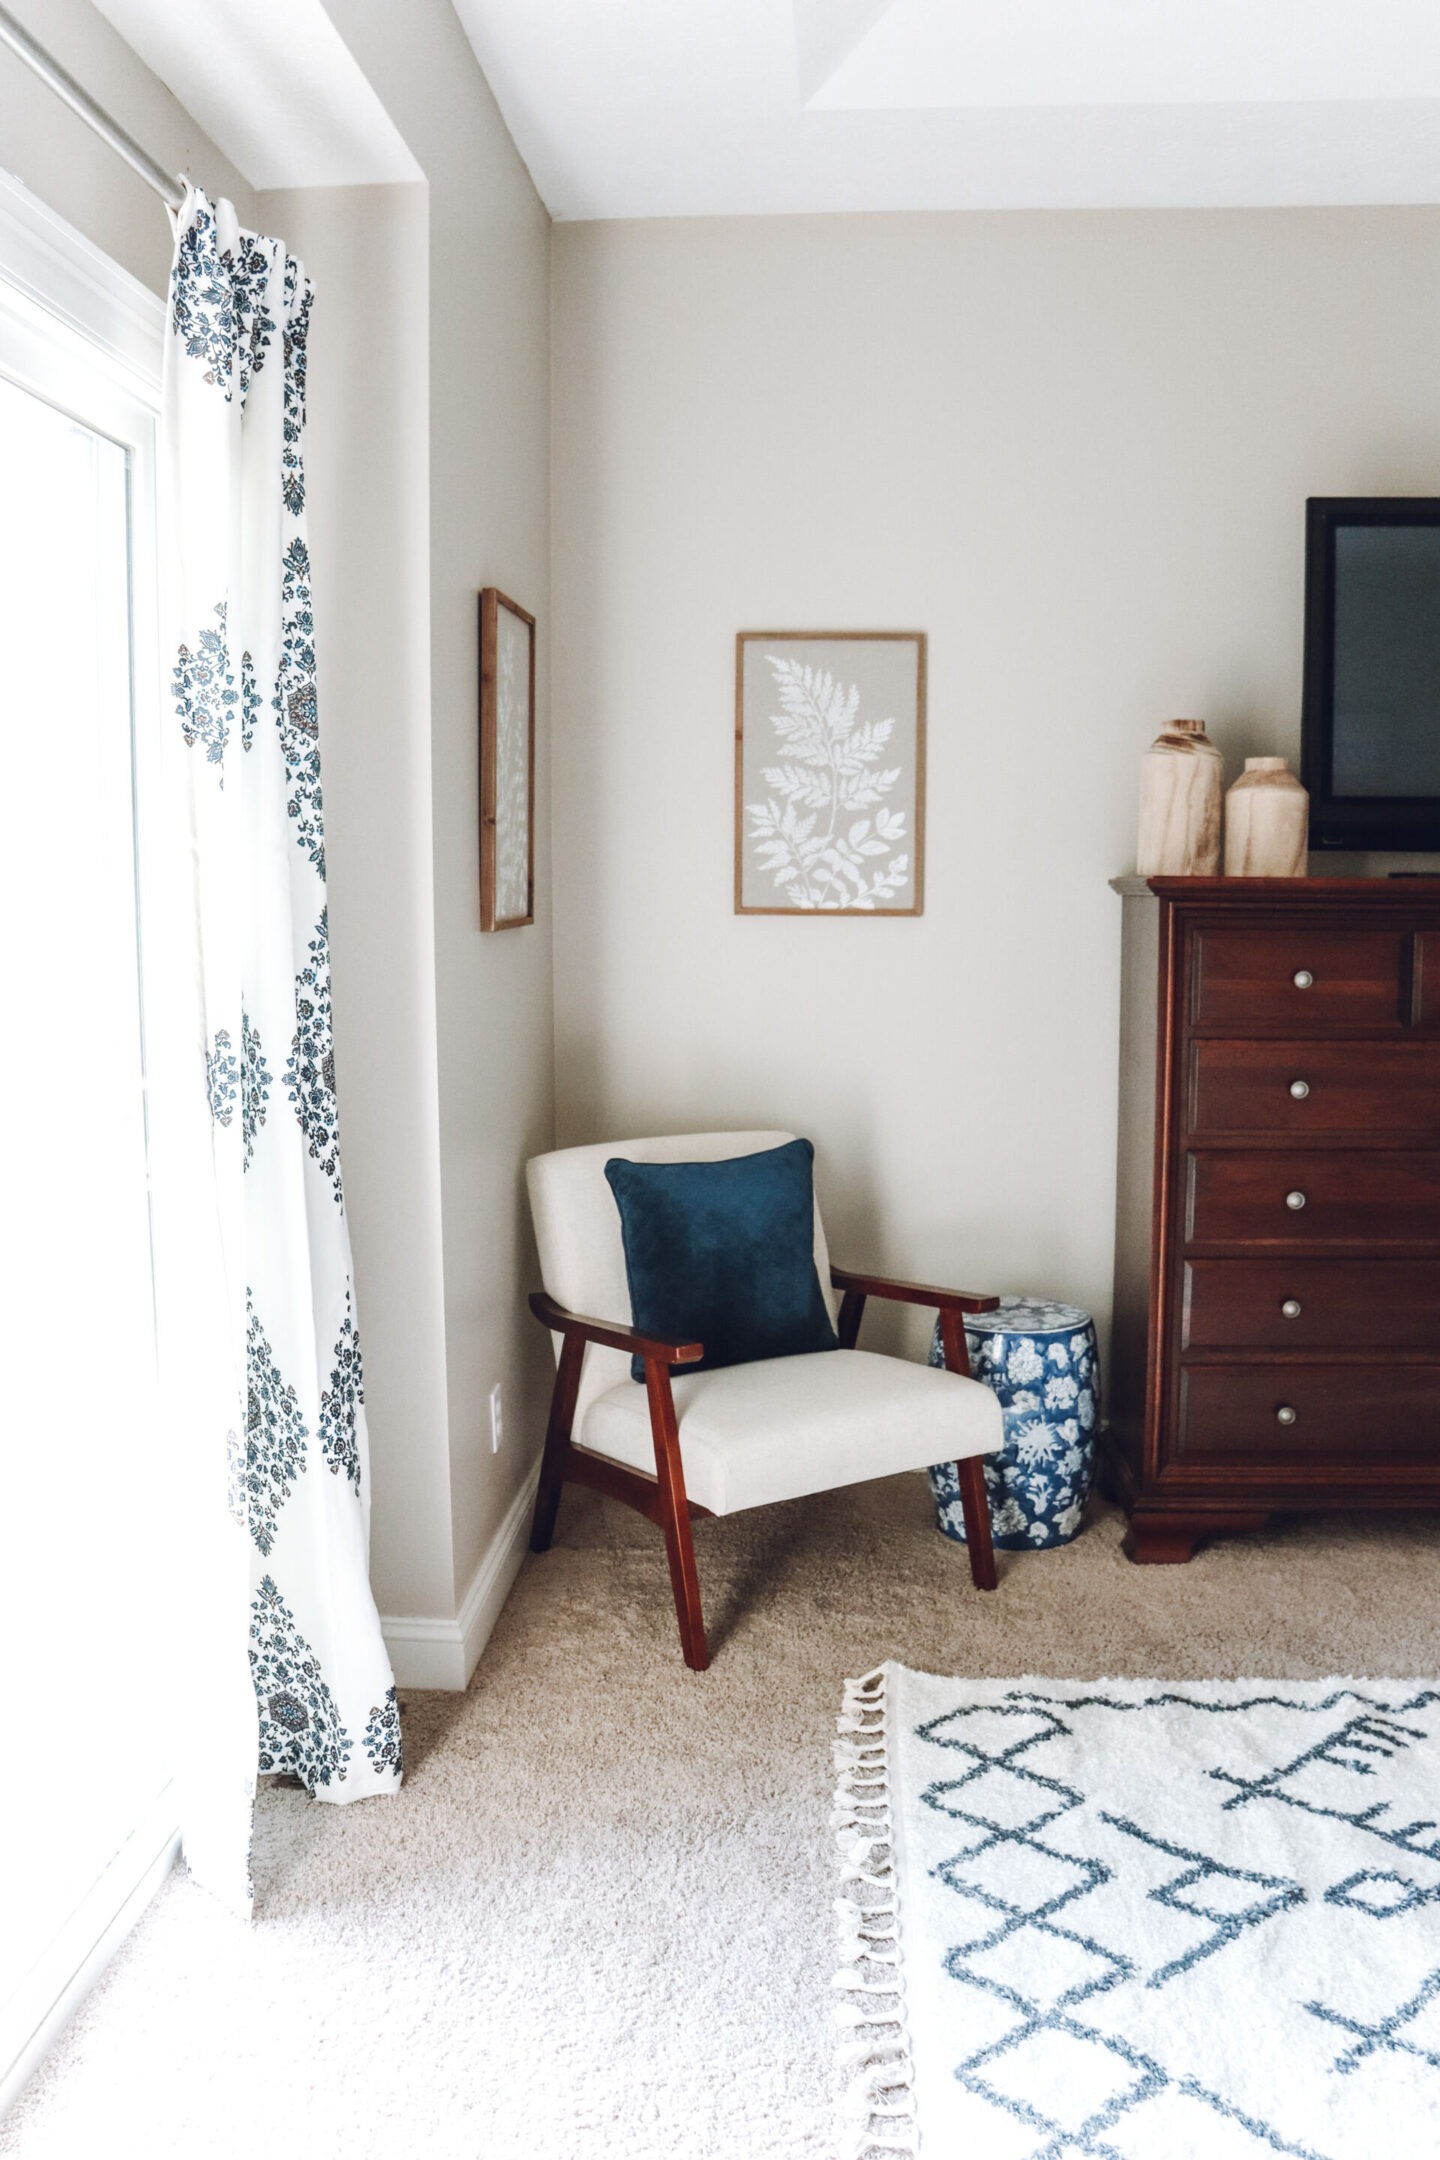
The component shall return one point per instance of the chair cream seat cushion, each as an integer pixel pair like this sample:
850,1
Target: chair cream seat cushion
783,1427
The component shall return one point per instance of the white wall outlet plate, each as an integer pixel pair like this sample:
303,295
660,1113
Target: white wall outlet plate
497,1419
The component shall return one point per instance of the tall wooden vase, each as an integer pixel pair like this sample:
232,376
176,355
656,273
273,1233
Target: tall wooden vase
1267,822
1180,784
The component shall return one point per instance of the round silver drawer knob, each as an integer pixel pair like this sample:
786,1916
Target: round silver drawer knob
1291,1308
1302,979
1294,1199
1299,1089
1285,1415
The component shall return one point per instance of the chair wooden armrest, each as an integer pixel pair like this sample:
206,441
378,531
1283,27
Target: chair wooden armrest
613,1337
909,1293
949,1303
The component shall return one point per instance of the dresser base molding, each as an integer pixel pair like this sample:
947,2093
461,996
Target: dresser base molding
1156,1539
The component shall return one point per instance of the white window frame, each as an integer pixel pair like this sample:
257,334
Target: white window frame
83,334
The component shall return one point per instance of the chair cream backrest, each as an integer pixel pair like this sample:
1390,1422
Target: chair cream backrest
577,1231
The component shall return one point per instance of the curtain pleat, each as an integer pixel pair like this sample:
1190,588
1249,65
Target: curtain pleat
286,1669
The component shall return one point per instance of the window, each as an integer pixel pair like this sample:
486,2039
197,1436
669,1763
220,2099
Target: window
89,1818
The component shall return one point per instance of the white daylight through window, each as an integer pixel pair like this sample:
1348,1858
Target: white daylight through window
83,1524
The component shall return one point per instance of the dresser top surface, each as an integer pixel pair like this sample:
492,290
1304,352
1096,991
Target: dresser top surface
1242,891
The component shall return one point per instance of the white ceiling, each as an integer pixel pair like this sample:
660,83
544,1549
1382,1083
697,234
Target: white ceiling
939,55
658,108
273,84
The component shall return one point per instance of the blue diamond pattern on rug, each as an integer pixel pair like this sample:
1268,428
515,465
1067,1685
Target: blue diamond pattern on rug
1144,1922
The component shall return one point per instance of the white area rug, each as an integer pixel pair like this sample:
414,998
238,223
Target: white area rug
1140,1921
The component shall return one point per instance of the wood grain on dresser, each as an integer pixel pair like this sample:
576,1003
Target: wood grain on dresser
1317,1090
1263,977
1277,1283
1306,1197
1301,1303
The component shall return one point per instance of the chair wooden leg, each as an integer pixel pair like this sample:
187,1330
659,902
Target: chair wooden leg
975,1503
852,1312
680,1552
952,1338
557,1443
674,1516
974,1500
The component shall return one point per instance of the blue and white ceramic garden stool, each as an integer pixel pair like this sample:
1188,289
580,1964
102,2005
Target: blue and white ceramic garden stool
1042,1362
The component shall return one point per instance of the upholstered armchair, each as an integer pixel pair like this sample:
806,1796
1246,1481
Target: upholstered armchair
685,1444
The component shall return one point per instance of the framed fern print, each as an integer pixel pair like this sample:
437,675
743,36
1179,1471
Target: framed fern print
507,763
829,772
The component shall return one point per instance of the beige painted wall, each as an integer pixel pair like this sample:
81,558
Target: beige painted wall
487,478
366,250
59,159
1075,449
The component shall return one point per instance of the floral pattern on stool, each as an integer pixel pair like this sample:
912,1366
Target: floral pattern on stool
1041,1360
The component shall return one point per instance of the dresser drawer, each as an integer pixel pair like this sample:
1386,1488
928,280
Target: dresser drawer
1302,1414
1295,1089
1293,1197
1299,978
1302,1304
1427,977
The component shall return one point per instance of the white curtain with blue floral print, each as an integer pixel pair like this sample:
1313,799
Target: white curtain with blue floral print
279,1472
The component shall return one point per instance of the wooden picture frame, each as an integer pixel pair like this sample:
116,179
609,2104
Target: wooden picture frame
814,836
507,763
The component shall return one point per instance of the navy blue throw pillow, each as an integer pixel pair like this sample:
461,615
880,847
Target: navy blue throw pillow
723,1253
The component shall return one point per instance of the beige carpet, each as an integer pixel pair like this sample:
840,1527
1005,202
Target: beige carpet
598,1921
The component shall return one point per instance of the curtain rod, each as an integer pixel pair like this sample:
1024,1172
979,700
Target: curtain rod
169,186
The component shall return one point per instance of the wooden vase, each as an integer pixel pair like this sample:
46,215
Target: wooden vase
1180,785
1267,822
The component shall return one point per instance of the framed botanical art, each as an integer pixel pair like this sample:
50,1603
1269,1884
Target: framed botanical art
829,772
507,763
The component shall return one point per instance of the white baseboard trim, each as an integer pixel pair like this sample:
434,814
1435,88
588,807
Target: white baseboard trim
444,1653
53,1991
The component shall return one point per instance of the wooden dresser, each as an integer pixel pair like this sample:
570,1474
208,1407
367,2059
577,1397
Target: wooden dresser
1277,1275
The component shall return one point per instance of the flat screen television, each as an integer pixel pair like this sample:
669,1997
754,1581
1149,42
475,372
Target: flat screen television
1370,753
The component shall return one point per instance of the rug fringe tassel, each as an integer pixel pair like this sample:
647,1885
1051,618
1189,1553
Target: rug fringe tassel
878,2104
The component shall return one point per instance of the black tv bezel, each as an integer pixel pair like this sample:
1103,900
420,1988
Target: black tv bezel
1350,821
